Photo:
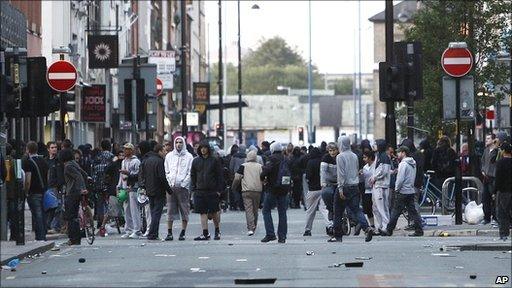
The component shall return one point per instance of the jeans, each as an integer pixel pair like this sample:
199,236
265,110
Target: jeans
12,218
488,203
281,201
351,201
504,204
35,202
156,205
327,196
404,201
72,204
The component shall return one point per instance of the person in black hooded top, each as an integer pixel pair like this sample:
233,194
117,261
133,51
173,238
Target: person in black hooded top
314,196
207,181
297,171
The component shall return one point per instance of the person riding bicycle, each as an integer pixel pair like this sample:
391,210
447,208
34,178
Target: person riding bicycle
75,183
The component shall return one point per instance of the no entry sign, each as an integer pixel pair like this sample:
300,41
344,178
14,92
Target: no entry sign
159,87
457,62
61,76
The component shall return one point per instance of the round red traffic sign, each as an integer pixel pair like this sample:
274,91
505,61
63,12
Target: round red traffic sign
61,76
457,62
159,87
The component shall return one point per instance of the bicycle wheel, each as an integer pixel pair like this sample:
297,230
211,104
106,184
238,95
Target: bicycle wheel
88,224
345,226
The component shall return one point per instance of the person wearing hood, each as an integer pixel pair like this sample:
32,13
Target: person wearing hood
405,191
278,194
248,176
347,166
144,148
207,184
426,151
329,181
380,181
418,180
236,161
153,179
177,165
297,172
259,159
314,195
444,161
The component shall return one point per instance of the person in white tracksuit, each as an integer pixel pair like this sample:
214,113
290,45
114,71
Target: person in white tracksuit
128,179
380,181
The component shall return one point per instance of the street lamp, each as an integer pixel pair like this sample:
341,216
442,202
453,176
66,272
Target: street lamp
240,133
310,128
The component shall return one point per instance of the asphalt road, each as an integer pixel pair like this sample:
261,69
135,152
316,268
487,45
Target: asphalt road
395,261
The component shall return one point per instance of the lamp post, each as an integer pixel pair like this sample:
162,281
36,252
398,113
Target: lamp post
310,128
220,128
240,133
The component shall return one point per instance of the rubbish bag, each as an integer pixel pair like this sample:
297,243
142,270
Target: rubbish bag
474,213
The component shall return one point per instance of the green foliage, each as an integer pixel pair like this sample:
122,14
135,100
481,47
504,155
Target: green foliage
273,64
343,86
485,27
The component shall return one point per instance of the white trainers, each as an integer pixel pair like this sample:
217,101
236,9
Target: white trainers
126,235
146,233
250,233
135,235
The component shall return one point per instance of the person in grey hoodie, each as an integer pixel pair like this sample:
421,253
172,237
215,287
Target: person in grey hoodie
348,190
248,175
380,182
404,198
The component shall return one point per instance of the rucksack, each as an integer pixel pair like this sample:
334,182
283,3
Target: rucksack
284,175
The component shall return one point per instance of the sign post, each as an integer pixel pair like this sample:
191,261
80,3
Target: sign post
61,77
457,61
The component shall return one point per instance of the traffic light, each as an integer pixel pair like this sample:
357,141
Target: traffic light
65,102
219,130
391,82
140,100
301,134
37,96
409,56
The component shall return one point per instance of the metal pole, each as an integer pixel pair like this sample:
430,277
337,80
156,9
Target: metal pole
134,98
390,106
240,139
359,91
510,96
310,129
220,132
458,173
184,89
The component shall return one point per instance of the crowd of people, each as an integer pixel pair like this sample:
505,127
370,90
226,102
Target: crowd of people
369,184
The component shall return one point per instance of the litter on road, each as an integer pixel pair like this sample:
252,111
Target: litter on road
165,255
203,257
44,272
241,260
364,258
310,253
255,281
472,276
55,249
81,260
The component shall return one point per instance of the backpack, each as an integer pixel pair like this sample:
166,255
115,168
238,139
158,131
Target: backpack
284,179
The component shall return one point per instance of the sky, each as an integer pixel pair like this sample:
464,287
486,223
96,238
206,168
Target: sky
334,28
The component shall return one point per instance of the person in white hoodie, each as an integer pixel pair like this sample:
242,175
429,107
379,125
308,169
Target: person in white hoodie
404,197
177,171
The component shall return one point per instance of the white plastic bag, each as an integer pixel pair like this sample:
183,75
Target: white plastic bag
474,213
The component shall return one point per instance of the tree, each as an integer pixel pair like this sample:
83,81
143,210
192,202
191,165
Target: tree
272,64
484,26
343,86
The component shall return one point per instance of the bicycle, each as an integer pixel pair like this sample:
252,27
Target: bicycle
86,220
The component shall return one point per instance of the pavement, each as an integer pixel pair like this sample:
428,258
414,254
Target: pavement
303,261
